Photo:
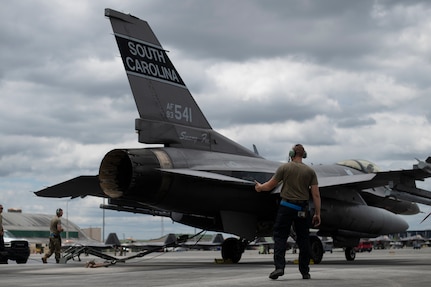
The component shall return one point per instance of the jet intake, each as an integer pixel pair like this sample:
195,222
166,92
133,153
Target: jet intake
132,172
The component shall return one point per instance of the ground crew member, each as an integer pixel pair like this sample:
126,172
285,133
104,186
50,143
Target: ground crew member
298,180
54,237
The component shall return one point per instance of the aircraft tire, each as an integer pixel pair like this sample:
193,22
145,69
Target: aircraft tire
232,250
316,249
350,253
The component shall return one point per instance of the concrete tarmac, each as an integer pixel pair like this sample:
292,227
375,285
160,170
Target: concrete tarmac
398,267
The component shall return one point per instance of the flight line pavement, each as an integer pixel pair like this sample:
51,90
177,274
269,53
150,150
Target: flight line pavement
397,267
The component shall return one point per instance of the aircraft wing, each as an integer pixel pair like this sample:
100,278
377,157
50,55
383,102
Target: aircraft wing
333,181
401,184
399,178
396,184
396,178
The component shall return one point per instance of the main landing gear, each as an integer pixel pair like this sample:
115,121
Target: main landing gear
350,253
232,249
316,249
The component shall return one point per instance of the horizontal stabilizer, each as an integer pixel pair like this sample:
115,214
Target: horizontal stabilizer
77,187
208,175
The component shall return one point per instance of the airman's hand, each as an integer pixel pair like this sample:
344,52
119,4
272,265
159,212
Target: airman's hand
258,186
316,220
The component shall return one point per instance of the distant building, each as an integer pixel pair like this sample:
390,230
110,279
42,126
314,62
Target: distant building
424,233
35,228
94,233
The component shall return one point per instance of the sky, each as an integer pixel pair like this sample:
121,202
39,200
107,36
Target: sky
348,79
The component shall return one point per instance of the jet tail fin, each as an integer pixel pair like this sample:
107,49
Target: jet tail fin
168,113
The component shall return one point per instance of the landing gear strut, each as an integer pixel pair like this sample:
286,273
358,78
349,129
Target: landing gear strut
232,249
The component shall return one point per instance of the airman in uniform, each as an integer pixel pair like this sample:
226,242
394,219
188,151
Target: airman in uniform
54,237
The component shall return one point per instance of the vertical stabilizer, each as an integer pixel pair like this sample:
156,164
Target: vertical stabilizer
168,113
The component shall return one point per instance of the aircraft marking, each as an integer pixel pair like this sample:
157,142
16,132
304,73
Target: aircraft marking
148,61
178,112
195,139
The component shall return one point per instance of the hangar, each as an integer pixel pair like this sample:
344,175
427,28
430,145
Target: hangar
35,228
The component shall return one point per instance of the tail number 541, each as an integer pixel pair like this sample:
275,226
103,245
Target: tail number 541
178,112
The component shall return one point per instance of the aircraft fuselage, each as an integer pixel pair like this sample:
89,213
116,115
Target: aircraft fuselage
156,178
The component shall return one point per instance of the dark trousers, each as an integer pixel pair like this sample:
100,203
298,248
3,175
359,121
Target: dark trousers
3,257
54,248
283,222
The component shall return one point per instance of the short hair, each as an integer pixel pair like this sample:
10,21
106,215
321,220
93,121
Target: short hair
58,210
298,150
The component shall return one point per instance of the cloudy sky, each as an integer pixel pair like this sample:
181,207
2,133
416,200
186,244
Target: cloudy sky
348,79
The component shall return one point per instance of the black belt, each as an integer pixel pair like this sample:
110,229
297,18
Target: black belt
298,202
294,205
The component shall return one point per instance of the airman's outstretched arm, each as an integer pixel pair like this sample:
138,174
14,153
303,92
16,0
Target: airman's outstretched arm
267,186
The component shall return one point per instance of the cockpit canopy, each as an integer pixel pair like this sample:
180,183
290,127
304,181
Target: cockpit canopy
360,164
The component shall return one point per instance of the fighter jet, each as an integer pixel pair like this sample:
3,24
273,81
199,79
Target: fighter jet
200,178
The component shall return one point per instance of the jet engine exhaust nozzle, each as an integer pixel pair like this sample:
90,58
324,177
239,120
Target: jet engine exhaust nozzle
129,172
